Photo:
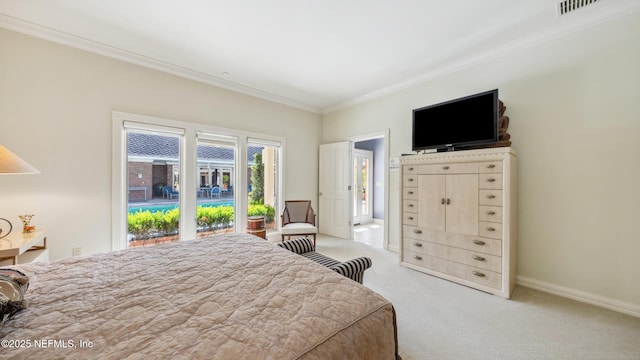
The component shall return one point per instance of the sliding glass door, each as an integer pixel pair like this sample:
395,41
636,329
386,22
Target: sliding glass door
217,172
153,186
263,175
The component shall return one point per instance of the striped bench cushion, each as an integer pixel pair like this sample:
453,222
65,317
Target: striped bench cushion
353,269
321,259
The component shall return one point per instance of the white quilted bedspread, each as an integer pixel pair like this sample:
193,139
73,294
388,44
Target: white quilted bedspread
230,296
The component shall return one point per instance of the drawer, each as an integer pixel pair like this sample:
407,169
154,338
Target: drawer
490,167
410,181
490,230
410,206
463,168
490,181
426,248
477,260
490,213
409,169
415,246
419,259
431,235
479,276
410,219
476,244
490,197
410,193
449,268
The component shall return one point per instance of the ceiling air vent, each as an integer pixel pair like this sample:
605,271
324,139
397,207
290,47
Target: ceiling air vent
567,6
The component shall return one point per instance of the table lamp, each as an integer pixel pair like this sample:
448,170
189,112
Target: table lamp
11,163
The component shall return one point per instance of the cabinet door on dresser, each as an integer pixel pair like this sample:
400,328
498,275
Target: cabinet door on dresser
431,207
462,204
448,203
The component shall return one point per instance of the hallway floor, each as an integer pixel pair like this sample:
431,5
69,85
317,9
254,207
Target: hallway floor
371,234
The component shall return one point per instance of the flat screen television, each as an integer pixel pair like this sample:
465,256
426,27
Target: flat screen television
455,124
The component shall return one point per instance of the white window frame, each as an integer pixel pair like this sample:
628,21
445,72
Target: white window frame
188,170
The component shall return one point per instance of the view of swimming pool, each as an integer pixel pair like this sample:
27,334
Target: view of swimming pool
165,207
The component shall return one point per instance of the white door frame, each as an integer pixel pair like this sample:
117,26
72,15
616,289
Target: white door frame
384,134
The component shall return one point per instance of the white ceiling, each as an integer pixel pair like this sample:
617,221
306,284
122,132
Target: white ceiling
317,55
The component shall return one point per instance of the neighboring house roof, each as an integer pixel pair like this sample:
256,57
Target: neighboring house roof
167,148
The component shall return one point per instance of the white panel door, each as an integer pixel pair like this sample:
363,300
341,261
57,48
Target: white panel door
335,181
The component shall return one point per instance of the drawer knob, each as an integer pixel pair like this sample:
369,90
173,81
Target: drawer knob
491,166
478,273
479,258
442,201
410,169
489,228
410,179
491,196
491,180
478,242
417,231
445,168
491,212
410,192
417,244
409,205
417,257
410,217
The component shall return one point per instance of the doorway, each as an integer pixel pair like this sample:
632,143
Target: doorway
362,186
370,192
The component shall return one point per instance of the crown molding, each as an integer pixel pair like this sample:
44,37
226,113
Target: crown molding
42,32
580,20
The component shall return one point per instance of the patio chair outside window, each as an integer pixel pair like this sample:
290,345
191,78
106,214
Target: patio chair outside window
298,218
169,193
215,192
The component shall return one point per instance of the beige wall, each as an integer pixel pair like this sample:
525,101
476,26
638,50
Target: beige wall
574,105
55,112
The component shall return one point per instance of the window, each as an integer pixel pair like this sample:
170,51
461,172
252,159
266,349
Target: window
187,167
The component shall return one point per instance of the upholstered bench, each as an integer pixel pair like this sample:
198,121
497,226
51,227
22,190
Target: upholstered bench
353,269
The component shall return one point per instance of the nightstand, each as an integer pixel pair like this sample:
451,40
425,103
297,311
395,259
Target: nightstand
20,248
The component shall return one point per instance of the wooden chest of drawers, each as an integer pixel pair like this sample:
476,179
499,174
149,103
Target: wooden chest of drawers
459,217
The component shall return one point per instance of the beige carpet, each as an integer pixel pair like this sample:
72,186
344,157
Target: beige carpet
438,319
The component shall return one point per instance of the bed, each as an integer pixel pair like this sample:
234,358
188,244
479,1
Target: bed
232,296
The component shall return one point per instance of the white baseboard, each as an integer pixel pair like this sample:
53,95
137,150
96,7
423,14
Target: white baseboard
582,296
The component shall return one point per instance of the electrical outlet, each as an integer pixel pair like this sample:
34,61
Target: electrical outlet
76,251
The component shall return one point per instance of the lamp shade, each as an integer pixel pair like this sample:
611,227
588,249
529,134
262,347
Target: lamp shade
10,163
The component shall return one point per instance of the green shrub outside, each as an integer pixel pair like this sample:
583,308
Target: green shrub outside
145,223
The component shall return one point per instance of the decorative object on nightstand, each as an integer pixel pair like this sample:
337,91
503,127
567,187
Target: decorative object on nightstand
26,228
11,164
5,227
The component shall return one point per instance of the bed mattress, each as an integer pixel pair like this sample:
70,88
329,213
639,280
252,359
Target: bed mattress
232,296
